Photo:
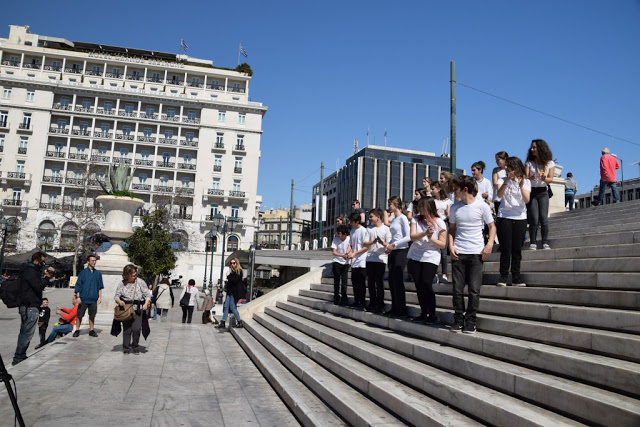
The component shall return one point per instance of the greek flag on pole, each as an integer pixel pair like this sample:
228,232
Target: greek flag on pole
184,45
243,52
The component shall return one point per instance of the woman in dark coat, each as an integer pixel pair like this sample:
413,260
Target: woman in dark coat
235,292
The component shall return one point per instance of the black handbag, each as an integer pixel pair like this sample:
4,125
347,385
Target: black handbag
549,191
184,301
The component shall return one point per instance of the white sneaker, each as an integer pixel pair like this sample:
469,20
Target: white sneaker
533,247
546,246
444,279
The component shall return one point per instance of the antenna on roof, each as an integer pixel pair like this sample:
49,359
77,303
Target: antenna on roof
355,146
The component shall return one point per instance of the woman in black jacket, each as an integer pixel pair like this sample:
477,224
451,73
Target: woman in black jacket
235,292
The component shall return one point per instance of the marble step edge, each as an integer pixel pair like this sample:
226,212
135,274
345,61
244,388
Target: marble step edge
460,393
589,265
413,406
344,400
391,353
608,208
585,280
613,344
593,217
303,404
601,371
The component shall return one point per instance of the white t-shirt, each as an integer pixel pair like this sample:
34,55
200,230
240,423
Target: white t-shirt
376,251
533,169
441,206
470,220
484,186
356,240
513,205
502,174
423,250
340,247
400,232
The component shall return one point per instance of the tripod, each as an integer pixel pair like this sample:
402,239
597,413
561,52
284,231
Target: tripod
6,377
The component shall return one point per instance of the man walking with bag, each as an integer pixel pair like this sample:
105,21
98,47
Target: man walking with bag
88,291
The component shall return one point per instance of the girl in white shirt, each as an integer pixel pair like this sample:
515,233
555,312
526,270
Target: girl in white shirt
515,192
446,181
417,195
497,177
397,250
340,266
429,236
443,204
540,170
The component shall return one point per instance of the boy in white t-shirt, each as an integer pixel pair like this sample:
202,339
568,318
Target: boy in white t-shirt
357,253
468,251
379,237
340,266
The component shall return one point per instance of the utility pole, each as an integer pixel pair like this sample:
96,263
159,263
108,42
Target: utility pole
291,217
452,135
320,207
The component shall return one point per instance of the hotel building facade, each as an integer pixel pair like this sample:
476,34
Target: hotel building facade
70,110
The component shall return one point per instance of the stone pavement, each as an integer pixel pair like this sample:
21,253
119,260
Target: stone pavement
185,375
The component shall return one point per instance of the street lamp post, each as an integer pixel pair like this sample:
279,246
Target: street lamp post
5,225
206,258
211,263
222,224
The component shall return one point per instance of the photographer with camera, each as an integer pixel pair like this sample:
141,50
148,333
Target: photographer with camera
33,283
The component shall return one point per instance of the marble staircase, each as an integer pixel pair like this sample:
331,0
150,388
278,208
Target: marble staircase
565,350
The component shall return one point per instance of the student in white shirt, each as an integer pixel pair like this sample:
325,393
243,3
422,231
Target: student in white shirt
512,220
340,266
429,236
397,250
497,177
379,237
446,181
443,204
357,253
468,251
417,195
540,169
485,188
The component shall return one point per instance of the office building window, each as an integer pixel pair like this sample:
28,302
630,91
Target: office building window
221,114
6,94
30,96
242,117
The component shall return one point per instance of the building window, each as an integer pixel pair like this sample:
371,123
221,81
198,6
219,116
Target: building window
189,136
236,185
108,106
232,243
30,95
126,130
219,138
144,154
191,115
240,141
124,153
168,134
24,141
242,117
215,184
235,211
26,120
62,124
221,114
142,178
128,108
4,115
187,159
171,112
165,158
213,209
102,150
84,126
150,111
80,149
86,104
64,101
105,127
6,94
217,163
2,136
238,165
95,69
58,147
146,132
164,181
185,182
20,166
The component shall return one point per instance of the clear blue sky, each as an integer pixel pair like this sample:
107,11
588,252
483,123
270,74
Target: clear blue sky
330,69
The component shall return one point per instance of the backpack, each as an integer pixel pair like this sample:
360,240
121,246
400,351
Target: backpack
11,291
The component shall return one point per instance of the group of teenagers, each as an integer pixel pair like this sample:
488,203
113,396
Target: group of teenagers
460,216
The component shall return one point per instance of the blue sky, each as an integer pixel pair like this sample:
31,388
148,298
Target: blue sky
329,70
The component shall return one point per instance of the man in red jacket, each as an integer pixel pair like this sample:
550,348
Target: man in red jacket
67,320
608,166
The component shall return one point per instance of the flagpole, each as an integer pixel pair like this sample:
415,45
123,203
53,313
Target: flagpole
239,45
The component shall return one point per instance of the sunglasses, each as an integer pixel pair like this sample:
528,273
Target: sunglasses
233,263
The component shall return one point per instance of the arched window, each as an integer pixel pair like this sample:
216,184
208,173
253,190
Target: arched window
232,243
209,243
68,236
13,228
46,235
179,240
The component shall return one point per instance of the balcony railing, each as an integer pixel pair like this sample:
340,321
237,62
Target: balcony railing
108,112
93,73
50,178
50,205
17,175
1,148
215,192
22,150
189,142
182,216
55,154
194,84
141,187
78,156
52,68
175,82
163,189
170,118
3,123
113,75
64,107
63,131
135,77
81,132
120,160
73,181
146,139
185,191
218,145
236,193
31,65
127,114
124,137
73,70
99,158
216,87
163,164
193,121
25,126
170,141
95,182
237,170
239,147
81,109
187,166
149,115
217,168
140,162
74,207
11,63
236,89
12,202
155,80
103,134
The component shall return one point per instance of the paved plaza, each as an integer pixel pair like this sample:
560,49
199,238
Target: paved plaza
188,375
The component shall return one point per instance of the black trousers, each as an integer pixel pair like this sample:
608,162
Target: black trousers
187,313
358,281
340,276
423,274
538,210
511,235
43,332
131,332
397,263
467,269
375,283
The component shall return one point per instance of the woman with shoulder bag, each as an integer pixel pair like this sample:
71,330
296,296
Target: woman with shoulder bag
163,299
192,302
235,292
133,290
539,169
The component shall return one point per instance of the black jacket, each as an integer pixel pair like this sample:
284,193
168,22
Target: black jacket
32,285
235,287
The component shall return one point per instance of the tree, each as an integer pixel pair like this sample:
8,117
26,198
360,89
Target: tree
244,68
150,246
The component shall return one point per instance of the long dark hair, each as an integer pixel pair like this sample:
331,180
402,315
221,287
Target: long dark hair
429,205
441,195
544,152
516,165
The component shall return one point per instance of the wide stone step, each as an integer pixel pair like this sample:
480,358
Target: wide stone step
611,373
594,217
600,265
400,352
605,210
352,406
608,343
580,252
305,405
594,231
615,237
413,406
590,280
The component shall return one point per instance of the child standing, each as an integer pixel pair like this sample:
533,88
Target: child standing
340,266
43,320
357,253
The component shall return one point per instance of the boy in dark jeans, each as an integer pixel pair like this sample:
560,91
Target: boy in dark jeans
340,266
43,321
468,251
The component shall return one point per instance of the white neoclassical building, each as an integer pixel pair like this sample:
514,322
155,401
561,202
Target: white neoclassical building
69,110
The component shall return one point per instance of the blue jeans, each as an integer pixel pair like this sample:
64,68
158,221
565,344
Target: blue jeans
230,303
614,192
60,329
29,321
569,198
